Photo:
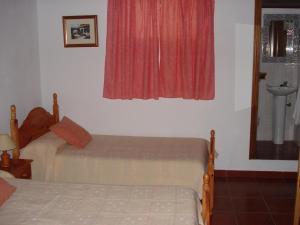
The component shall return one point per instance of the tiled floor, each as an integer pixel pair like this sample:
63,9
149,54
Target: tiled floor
254,201
267,150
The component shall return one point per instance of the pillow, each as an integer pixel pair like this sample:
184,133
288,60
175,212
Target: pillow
6,190
71,132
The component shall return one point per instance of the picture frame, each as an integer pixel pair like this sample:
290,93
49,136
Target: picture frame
80,31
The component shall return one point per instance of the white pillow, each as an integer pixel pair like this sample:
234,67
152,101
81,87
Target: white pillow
5,174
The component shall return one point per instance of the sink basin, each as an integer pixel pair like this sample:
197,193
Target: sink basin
281,91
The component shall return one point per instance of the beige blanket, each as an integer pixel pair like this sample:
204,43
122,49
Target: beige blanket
43,152
38,203
121,160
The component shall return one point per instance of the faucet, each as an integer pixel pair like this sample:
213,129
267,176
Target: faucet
284,84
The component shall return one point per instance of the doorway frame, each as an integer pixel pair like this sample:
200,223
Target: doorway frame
256,62
255,78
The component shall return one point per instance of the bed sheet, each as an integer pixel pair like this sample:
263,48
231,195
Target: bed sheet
41,203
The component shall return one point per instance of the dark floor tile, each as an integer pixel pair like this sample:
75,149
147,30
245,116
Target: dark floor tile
223,179
224,218
283,219
278,188
223,204
280,204
244,188
221,188
256,204
292,183
291,180
270,180
254,219
254,201
241,179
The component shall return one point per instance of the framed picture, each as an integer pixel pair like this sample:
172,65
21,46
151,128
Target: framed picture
80,31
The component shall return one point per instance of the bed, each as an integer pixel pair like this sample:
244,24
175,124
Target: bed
41,203
120,160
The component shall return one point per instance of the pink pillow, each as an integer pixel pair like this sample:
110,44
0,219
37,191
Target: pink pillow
6,190
71,132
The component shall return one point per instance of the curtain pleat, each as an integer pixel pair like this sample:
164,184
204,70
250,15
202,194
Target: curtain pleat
160,48
131,63
187,49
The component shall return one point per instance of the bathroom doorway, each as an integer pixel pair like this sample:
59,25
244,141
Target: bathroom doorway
276,77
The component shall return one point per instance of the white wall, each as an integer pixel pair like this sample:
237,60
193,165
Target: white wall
76,74
19,59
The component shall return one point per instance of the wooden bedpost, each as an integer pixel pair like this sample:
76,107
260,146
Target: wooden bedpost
212,142
14,132
211,169
206,208
55,108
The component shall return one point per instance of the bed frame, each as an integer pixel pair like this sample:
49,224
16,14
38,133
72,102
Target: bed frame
35,125
39,120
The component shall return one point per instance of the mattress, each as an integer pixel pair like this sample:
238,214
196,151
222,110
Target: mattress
120,160
41,203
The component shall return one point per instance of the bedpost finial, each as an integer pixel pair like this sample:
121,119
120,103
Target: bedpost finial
13,111
212,133
13,108
55,98
55,108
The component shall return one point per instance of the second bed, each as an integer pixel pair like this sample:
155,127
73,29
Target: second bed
114,160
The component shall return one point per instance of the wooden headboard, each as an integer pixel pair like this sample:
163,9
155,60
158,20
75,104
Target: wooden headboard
35,125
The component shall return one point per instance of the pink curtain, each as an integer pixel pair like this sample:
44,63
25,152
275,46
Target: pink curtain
187,49
160,48
131,64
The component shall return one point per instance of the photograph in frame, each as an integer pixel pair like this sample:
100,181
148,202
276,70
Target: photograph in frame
80,31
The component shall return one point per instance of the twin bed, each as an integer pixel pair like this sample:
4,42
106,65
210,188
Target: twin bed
40,203
124,180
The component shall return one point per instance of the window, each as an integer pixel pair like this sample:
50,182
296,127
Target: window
159,48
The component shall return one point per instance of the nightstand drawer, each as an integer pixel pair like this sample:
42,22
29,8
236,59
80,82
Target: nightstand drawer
24,173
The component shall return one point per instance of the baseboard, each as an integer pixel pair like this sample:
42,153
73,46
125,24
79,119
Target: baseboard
255,174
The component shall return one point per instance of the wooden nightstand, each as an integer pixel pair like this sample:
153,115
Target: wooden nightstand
20,168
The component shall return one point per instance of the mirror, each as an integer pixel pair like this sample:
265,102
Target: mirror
280,38
277,39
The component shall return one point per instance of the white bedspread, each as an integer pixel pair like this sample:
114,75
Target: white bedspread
38,203
121,160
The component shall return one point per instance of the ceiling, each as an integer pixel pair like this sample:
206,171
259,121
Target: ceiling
281,3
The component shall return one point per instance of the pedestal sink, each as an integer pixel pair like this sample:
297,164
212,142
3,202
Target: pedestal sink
279,107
